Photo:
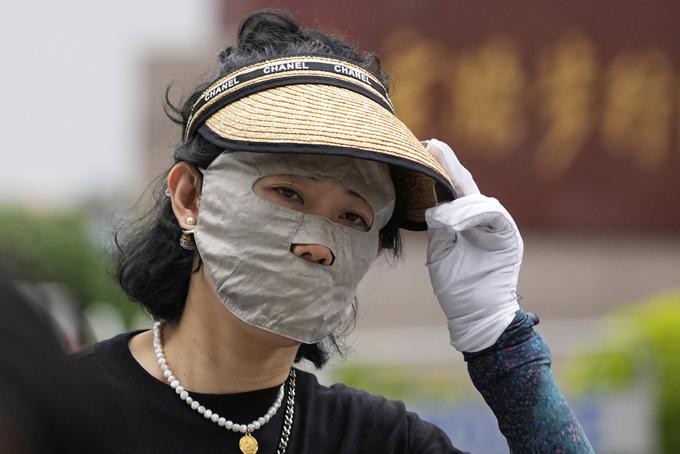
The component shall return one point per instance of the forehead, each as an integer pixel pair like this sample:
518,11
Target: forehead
369,179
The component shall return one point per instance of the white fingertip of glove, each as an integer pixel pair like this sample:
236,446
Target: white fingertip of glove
461,178
474,256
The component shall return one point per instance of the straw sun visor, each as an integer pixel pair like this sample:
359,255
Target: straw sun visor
330,115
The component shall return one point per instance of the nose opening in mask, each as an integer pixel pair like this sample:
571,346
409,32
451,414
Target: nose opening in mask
315,253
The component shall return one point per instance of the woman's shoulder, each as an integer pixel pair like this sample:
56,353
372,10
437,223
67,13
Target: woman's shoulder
340,396
105,362
392,426
96,352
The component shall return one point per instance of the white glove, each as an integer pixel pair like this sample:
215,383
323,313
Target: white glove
474,254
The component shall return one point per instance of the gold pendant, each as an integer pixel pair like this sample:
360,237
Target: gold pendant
248,444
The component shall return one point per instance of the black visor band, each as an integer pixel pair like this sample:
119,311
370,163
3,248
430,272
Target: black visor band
280,72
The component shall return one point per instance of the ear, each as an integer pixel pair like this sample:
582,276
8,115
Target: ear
184,182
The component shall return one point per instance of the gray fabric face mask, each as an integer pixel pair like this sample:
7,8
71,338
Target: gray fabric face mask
245,242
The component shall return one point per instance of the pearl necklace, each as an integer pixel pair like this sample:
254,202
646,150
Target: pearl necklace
248,443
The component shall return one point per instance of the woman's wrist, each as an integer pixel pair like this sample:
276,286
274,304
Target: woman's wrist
520,330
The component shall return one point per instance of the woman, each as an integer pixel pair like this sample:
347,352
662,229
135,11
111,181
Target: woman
292,176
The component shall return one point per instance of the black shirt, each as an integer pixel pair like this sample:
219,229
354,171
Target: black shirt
149,416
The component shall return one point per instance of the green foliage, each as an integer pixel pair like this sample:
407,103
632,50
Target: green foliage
56,247
426,383
601,371
643,337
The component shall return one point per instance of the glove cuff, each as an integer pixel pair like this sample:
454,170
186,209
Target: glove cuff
476,335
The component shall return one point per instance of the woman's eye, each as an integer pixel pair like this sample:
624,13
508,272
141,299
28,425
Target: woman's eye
356,219
288,193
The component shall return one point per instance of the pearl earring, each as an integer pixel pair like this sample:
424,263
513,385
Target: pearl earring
190,220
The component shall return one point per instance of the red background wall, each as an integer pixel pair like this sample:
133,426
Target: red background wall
568,111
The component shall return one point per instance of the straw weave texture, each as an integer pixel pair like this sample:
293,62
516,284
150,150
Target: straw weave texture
332,116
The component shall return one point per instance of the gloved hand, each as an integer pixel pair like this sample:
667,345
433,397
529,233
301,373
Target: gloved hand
474,255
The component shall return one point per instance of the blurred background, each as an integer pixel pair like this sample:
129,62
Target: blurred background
567,111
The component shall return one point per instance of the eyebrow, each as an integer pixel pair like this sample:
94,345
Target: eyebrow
347,191
352,193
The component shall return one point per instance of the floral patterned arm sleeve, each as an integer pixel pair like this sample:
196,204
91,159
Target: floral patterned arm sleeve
515,379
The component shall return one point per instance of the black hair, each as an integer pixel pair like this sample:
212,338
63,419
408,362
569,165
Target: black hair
152,267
